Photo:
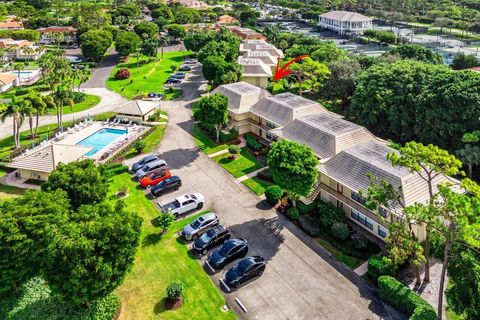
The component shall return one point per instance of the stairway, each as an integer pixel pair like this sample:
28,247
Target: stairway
313,195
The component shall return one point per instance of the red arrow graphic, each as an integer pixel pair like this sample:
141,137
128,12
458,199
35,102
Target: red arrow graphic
283,71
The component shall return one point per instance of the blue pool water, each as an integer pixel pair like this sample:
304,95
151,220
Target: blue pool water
100,139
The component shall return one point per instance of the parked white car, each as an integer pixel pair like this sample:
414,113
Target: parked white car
183,204
73,59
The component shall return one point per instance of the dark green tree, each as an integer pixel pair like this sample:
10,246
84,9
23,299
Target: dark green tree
465,61
212,110
417,52
146,30
82,181
175,31
293,167
94,43
126,43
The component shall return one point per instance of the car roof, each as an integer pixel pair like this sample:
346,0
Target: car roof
152,156
154,163
207,216
237,241
219,228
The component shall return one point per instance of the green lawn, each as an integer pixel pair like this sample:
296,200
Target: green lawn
89,102
244,164
7,144
8,191
151,141
257,185
351,262
207,145
161,260
147,76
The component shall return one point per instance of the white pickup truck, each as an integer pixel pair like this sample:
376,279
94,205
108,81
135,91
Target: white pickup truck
183,204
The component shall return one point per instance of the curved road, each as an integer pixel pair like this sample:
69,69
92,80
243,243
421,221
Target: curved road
301,280
95,85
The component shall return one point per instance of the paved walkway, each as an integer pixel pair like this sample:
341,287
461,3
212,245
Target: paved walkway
251,174
301,280
362,269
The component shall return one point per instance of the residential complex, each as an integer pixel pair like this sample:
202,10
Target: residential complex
246,33
49,35
20,50
11,23
345,22
348,153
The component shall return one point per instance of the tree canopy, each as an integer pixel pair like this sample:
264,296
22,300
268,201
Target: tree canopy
94,43
212,110
127,42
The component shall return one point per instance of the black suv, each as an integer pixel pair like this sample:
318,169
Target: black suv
172,183
210,239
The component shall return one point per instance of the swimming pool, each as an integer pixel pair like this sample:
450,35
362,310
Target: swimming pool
25,75
101,139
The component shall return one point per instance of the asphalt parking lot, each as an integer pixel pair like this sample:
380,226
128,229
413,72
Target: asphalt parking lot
300,281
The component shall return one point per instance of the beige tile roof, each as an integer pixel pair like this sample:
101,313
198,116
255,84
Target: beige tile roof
345,16
241,95
285,107
254,68
351,167
137,107
6,78
67,29
48,158
326,133
265,56
11,23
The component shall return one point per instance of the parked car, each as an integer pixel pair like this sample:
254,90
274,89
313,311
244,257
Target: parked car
210,239
245,269
139,165
178,75
152,179
157,165
173,80
190,61
184,68
172,183
231,250
194,229
73,59
183,204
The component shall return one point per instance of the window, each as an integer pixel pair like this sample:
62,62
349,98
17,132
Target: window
362,219
271,136
358,198
271,125
383,212
382,231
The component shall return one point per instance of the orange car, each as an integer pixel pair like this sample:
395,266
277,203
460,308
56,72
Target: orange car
155,178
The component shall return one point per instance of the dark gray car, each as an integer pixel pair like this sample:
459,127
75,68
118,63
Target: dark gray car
142,162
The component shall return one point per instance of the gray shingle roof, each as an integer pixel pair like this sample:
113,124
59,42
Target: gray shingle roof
345,16
241,95
254,67
326,133
285,107
265,56
270,48
351,167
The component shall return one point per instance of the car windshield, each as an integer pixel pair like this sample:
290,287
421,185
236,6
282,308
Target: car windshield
207,236
193,196
243,266
141,162
146,168
196,223
226,248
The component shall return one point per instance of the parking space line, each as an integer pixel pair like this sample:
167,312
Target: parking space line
240,304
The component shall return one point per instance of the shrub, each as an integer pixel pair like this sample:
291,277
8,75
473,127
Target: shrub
305,208
273,194
310,225
340,231
359,241
175,290
78,97
266,175
293,213
139,146
437,245
329,214
405,299
234,150
252,142
380,266
122,74
225,137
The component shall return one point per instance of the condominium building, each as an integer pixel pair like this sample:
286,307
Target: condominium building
20,50
254,71
348,153
345,22
48,35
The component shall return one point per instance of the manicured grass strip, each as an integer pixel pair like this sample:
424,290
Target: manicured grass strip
151,141
89,102
244,164
257,185
7,144
9,192
207,145
162,259
351,262
147,76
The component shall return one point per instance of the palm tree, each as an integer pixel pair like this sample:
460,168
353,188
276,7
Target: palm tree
81,75
15,111
19,67
3,54
39,104
11,52
28,52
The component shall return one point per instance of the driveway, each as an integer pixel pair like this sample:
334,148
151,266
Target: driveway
103,70
301,280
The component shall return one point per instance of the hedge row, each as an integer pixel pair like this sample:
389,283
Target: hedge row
405,299
378,266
